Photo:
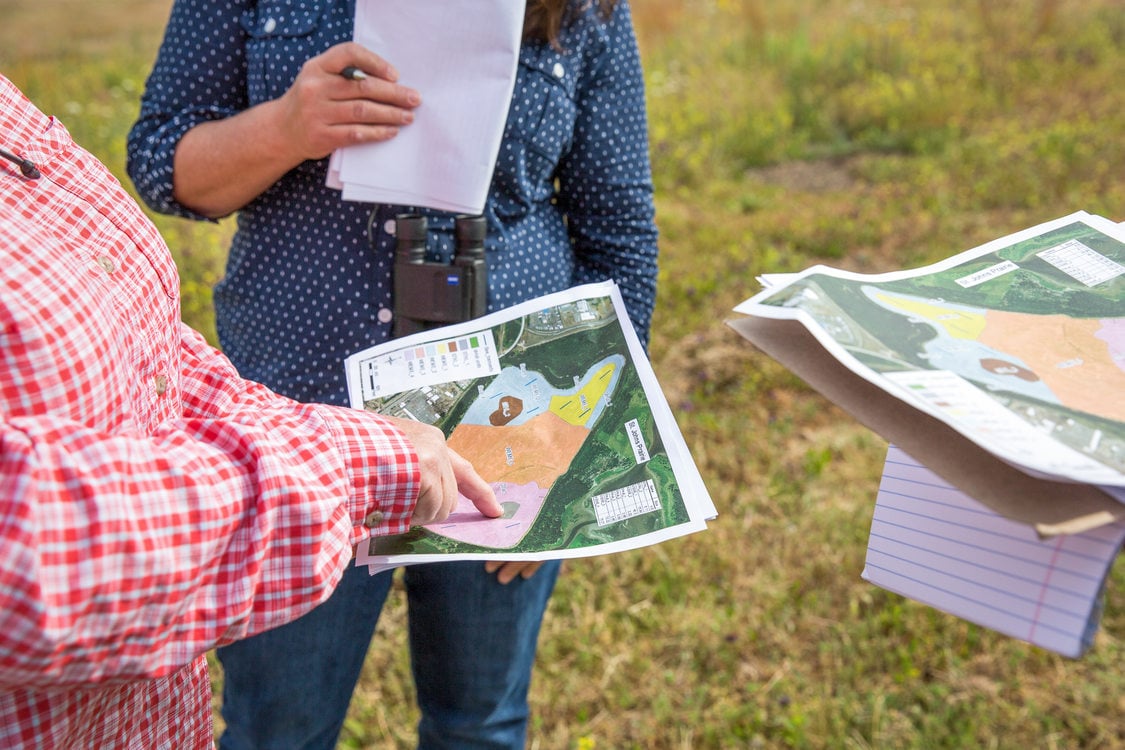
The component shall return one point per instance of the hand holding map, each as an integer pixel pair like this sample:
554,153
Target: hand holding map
444,475
555,404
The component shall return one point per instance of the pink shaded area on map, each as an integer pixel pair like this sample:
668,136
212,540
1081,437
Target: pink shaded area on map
522,503
1112,333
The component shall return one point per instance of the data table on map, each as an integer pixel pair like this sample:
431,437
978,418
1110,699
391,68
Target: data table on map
1082,263
626,502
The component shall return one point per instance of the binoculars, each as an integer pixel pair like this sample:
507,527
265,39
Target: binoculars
429,294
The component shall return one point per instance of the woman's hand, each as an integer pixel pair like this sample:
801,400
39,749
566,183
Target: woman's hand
323,110
506,572
221,165
443,475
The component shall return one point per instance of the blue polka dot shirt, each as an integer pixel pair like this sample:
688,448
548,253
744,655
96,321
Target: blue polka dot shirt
308,277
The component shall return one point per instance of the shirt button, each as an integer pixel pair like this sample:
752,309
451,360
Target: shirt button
389,227
106,263
385,315
558,70
270,25
373,519
161,384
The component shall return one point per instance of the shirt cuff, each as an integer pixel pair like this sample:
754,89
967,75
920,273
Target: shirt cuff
383,468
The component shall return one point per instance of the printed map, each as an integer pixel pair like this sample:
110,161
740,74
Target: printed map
550,408
1033,331
997,376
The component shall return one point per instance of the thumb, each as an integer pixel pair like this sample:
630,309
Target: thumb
472,485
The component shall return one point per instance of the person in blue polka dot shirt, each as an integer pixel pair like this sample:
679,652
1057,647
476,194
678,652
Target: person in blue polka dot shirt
243,107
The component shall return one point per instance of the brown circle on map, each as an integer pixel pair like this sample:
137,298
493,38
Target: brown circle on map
1003,367
507,409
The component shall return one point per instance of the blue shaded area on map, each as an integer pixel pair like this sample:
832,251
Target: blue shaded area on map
961,355
536,393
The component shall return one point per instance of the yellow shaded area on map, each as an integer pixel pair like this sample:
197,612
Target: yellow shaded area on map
578,408
958,323
1066,355
539,450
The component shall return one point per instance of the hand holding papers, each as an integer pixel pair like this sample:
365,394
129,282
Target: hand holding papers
1001,370
555,404
462,57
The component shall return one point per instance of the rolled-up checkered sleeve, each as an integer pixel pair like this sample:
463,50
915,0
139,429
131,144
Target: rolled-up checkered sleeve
378,462
128,555
153,504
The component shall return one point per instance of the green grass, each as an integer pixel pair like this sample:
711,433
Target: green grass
871,136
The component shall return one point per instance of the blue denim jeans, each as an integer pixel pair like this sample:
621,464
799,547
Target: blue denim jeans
472,647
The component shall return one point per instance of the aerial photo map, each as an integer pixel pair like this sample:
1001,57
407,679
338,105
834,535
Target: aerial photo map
1014,350
558,411
1027,334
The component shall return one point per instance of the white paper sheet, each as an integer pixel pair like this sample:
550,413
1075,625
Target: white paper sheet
461,56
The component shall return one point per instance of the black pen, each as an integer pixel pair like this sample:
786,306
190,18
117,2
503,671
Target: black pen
352,73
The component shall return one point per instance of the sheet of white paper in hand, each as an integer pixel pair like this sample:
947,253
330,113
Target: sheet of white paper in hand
461,56
556,405
933,543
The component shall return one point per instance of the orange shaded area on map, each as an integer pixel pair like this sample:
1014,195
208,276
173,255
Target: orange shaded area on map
1066,355
539,450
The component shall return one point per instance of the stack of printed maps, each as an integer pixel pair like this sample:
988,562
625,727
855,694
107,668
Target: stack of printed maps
998,377
555,404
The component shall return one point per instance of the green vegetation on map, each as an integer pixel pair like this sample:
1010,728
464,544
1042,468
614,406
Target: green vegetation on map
558,345
1038,341
1042,289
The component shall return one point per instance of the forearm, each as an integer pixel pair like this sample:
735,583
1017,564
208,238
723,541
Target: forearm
609,201
222,165
128,557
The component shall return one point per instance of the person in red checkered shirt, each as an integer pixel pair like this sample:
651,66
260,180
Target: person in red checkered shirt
153,504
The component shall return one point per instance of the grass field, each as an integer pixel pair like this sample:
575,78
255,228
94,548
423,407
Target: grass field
868,135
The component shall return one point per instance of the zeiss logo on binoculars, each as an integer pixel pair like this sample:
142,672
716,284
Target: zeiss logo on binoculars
428,293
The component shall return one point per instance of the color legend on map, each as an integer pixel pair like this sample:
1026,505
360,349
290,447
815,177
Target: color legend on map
430,363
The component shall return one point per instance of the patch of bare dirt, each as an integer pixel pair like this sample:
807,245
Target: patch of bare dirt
820,176
49,28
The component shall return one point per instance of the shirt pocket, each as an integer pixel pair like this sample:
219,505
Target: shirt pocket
542,115
280,36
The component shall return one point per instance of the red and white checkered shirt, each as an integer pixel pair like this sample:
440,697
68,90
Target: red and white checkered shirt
153,505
